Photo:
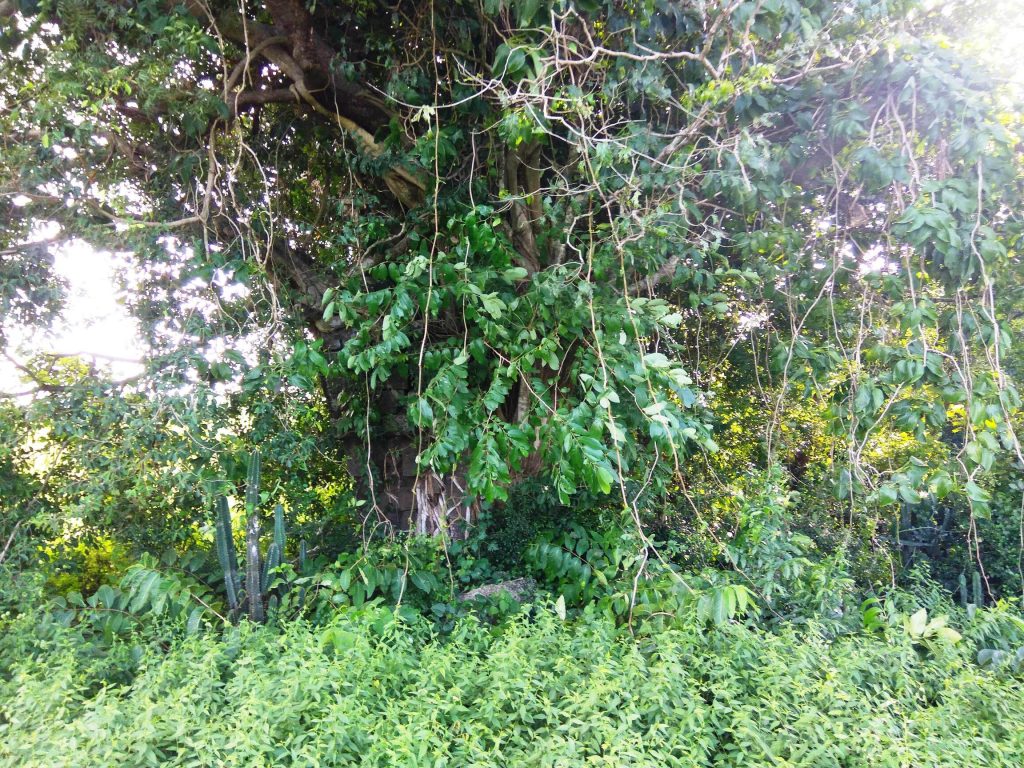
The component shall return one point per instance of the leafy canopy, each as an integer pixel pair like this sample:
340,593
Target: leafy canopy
476,242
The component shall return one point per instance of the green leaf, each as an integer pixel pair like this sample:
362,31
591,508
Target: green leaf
527,10
976,492
516,62
887,494
493,305
842,487
192,626
948,634
941,484
105,596
917,623
656,360
514,274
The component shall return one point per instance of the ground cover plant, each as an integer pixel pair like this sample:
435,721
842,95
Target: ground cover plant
368,688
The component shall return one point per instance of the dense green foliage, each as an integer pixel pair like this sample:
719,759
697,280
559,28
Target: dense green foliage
375,661
567,245
367,688
520,382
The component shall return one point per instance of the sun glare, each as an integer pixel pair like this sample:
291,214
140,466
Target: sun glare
94,324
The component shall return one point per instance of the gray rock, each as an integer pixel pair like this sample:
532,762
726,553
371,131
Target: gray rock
518,589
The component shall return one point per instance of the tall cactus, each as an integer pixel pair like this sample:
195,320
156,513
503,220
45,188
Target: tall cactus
226,552
252,483
303,569
279,537
276,549
253,580
979,596
258,571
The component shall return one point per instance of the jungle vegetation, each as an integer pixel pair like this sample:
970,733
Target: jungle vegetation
522,382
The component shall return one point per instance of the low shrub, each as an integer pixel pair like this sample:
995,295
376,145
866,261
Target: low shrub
371,688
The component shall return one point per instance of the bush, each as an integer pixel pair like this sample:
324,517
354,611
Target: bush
84,565
369,689
507,529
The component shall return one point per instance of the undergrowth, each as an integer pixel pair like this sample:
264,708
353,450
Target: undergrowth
372,688
624,653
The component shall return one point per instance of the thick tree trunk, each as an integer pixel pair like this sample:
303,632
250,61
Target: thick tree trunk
382,456
399,493
440,506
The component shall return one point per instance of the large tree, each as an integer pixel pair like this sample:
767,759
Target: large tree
502,239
